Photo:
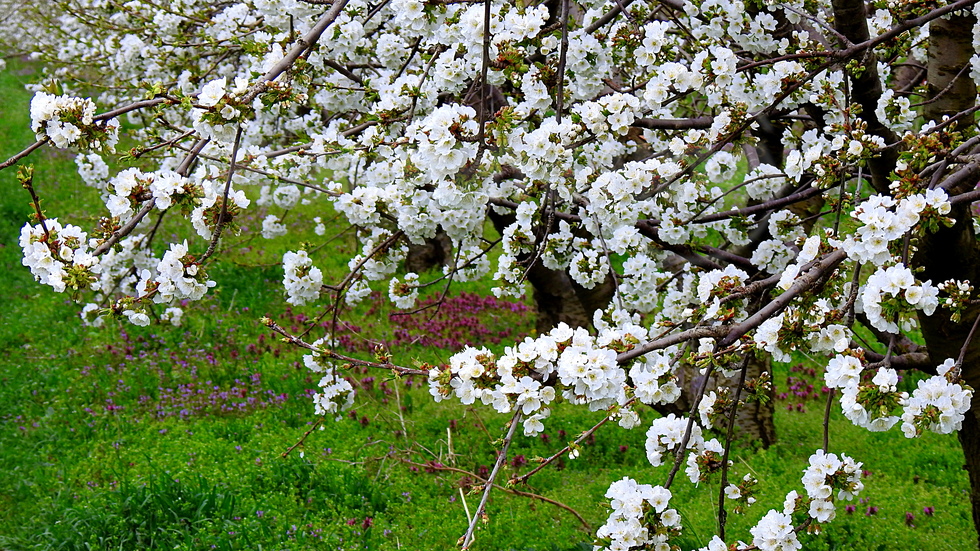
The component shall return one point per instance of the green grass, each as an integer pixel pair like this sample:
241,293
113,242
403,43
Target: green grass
161,438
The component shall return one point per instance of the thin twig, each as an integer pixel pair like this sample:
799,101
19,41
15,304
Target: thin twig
531,495
826,420
562,55
302,439
468,537
722,513
223,219
523,478
348,279
27,175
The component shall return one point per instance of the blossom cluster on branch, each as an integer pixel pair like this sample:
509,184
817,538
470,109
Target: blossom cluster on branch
751,179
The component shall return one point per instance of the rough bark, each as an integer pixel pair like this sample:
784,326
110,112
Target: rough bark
557,298
557,301
951,89
851,21
953,253
970,441
753,420
433,253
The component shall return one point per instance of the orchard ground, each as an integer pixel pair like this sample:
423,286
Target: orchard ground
123,437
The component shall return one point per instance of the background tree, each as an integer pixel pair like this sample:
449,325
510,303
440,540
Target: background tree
710,186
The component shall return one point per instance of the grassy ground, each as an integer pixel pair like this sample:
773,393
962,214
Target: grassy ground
161,438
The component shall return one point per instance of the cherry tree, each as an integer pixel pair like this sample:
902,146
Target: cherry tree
711,184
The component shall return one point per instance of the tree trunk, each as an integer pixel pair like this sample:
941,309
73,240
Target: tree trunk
952,253
950,48
559,299
753,420
435,252
850,19
970,441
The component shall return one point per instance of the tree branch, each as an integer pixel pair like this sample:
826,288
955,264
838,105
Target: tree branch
468,537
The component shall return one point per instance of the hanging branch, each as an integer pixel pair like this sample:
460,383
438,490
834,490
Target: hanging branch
722,513
682,447
562,54
298,341
523,478
223,219
467,538
520,493
826,420
348,279
303,438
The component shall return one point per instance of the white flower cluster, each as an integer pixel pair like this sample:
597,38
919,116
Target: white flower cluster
775,532
868,405
336,393
640,518
173,315
404,293
93,170
653,378
512,381
843,371
128,189
69,120
666,434
302,279
937,404
220,126
178,277
891,291
583,368
895,111
884,220
272,227
797,327
716,284
826,475
59,256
